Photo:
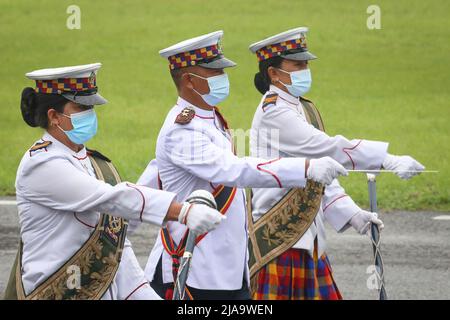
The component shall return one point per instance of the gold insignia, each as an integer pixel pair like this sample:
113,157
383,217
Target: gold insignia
220,46
92,79
40,145
303,41
185,116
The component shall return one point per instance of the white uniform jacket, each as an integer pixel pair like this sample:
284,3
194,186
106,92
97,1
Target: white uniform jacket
199,155
281,130
59,202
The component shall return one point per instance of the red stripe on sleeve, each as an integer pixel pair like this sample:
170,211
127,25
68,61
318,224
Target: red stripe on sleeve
270,172
349,149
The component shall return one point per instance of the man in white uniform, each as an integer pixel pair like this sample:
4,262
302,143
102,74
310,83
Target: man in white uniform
69,249
194,150
284,78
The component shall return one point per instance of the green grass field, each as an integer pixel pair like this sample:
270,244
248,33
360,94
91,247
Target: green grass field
390,84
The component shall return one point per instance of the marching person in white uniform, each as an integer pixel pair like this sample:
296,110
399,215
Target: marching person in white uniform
73,224
283,78
194,150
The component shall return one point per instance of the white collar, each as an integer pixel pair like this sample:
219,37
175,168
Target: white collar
199,112
284,95
80,155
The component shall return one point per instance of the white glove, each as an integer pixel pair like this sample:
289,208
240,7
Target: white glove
200,218
325,170
401,163
362,220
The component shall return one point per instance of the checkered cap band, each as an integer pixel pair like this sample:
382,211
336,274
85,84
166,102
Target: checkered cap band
277,49
66,85
193,57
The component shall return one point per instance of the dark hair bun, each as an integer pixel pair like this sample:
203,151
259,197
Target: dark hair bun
260,83
28,105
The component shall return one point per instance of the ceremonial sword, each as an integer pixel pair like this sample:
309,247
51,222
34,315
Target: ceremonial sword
197,197
393,171
375,237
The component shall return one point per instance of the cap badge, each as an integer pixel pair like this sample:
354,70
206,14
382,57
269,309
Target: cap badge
92,79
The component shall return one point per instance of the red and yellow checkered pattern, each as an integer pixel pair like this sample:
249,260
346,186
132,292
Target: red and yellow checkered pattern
295,275
191,58
65,85
278,48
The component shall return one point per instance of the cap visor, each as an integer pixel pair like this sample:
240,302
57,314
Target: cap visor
94,99
218,64
306,55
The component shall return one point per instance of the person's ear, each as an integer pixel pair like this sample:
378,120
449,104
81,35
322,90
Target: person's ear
53,117
273,74
186,79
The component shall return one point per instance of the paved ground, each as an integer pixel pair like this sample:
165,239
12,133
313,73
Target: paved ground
415,247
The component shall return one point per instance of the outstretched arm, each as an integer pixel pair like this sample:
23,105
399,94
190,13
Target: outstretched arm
197,154
298,137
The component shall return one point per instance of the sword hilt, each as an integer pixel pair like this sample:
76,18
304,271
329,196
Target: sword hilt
197,197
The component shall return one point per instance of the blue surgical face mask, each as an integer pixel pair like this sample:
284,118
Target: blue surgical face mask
84,126
300,82
219,89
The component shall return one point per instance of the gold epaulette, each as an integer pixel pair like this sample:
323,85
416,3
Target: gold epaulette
40,145
269,99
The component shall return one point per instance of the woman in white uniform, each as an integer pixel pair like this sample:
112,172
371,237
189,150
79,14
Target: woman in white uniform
73,209
302,271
